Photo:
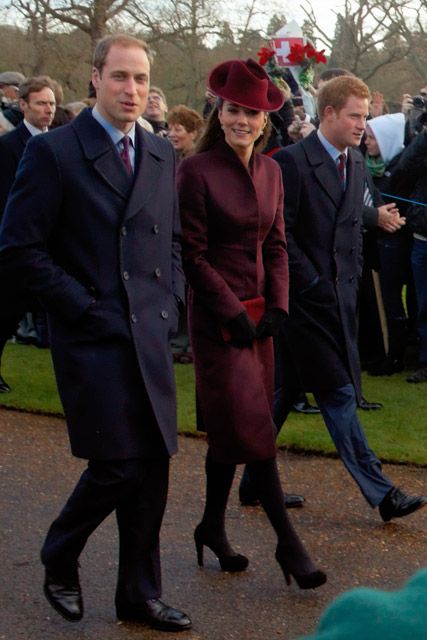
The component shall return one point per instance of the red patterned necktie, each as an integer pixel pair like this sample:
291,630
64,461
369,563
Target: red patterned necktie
341,168
124,154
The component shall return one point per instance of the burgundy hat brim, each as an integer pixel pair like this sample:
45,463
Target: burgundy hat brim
245,83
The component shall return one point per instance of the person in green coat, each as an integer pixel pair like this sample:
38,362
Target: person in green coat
374,614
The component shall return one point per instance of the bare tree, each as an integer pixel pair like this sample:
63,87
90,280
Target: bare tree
39,24
179,31
363,31
90,16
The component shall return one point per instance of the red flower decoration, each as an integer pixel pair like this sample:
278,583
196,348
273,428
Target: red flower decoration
264,55
306,54
320,57
297,54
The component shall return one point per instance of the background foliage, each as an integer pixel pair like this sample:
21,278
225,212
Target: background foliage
382,41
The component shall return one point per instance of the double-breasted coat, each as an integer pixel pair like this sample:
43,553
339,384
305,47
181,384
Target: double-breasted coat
324,237
102,253
233,250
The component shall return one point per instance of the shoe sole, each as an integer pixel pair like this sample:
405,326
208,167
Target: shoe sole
158,626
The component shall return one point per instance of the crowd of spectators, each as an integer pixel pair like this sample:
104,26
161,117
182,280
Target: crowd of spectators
393,307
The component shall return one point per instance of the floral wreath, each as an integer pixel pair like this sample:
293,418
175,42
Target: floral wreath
303,56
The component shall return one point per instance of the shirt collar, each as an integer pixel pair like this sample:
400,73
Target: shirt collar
115,134
34,130
333,151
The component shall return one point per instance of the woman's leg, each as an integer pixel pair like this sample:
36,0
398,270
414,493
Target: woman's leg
211,530
291,554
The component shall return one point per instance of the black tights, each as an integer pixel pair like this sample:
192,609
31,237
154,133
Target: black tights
265,478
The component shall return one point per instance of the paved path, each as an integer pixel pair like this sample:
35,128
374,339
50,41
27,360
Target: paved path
345,536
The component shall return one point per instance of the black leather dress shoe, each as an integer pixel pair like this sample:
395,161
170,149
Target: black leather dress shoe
155,613
293,500
369,406
62,589
397,504
4,387
302,405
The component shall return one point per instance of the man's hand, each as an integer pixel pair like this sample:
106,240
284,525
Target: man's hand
407,104
306,128
377,104
389,218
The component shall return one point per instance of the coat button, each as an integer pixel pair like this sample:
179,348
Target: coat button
337,280
157,272
123,231
133,317
355,221
126,275
351,279
164,314
156,228
334,251
352,250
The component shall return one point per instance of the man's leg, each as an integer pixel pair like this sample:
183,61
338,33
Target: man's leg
139,517
101,488
338,409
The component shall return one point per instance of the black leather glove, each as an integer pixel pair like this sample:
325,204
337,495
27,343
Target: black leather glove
242,330
270,323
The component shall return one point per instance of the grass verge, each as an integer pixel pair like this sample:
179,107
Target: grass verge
397,433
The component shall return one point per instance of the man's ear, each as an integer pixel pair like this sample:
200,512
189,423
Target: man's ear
329,111
95,77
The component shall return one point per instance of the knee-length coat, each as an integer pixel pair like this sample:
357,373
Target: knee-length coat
102,253
233,250
324,237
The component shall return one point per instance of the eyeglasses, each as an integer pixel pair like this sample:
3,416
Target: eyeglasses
154,98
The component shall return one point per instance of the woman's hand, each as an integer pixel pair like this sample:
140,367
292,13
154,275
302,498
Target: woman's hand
270,323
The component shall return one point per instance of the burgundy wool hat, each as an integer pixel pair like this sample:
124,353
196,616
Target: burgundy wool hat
247,84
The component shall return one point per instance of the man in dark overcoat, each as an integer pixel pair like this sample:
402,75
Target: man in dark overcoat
324,187
37,103
92,228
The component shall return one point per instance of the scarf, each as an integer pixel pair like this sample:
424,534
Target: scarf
375,165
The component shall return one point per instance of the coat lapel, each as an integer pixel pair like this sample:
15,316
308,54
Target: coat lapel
355,170
148,170
98,148
324,169
23,133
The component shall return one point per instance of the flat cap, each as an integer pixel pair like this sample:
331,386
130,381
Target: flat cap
11,77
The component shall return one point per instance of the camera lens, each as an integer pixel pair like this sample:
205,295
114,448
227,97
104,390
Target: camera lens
419,102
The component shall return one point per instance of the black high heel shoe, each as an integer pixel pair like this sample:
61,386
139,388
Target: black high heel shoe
310,580
229,562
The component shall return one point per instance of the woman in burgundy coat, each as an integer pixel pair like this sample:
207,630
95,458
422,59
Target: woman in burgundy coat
234,252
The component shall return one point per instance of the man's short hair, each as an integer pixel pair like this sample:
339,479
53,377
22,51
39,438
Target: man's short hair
336,92
159,92
104,45
334,72
35,84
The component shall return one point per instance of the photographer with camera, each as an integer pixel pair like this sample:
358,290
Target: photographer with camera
414,108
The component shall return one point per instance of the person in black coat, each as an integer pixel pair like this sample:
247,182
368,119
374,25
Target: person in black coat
324,181
92,229
37,102
384,142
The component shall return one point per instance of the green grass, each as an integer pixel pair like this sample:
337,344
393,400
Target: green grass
397,433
